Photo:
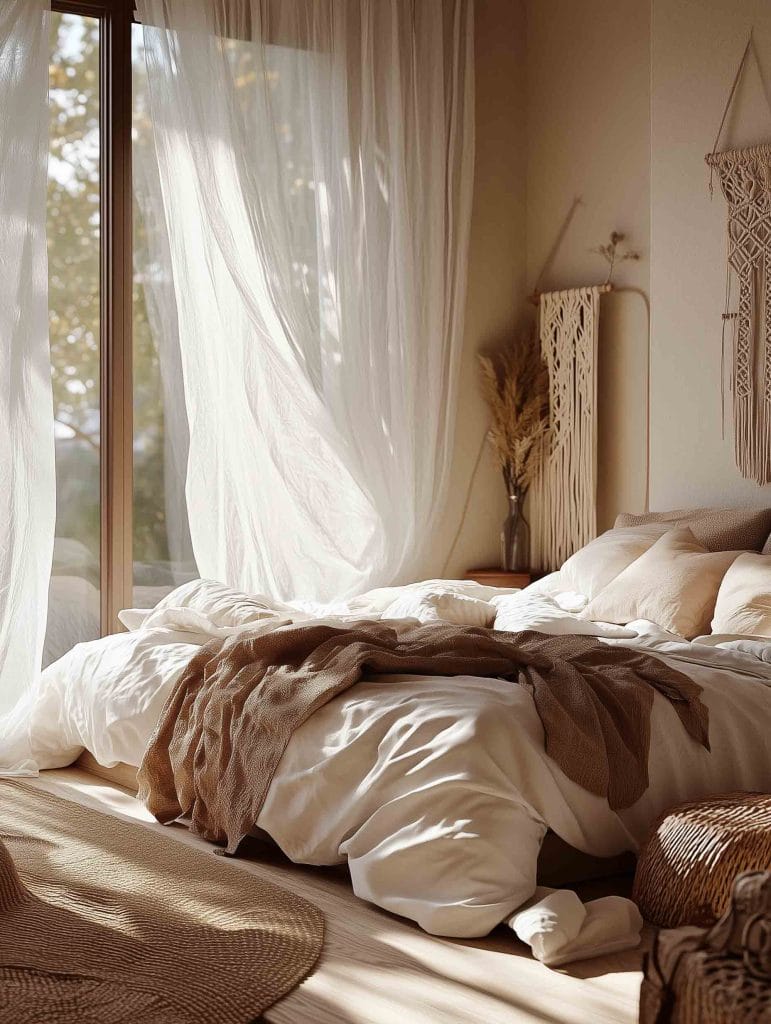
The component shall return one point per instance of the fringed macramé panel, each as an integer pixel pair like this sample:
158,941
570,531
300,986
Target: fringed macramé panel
745,178
563,503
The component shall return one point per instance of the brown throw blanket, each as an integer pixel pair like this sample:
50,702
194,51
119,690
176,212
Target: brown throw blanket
230,716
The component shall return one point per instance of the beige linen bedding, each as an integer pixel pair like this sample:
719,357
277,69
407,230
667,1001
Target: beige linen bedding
232,713
559,864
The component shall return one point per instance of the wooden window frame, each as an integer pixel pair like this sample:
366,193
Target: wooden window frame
116,284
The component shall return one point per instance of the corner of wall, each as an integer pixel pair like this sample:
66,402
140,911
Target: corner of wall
496,282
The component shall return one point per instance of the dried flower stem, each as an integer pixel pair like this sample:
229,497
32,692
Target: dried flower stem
515,383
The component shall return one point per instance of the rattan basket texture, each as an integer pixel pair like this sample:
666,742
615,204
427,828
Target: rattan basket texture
720,976
707,989
695,851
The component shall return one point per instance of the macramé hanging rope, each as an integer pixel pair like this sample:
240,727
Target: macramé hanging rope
745,180
564,493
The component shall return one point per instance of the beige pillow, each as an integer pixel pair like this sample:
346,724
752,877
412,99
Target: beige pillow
674,584
602,559
744,599
718,529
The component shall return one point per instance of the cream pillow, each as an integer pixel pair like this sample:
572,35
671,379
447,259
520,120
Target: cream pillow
744,599
674,584
593,567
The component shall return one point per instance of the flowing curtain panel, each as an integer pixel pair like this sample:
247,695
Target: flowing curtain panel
314,174
27,481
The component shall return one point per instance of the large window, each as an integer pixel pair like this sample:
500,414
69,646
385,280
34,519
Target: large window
162,550
121,526
74,293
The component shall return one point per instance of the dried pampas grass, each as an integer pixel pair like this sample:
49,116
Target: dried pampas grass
515,384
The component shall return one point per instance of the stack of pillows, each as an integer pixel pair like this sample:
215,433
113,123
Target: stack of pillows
689,571
692,572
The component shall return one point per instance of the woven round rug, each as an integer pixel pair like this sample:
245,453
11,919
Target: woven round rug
104,921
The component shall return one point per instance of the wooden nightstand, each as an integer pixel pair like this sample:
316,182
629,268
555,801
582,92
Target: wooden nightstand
498,578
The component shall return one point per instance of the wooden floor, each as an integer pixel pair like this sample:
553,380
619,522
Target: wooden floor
380,969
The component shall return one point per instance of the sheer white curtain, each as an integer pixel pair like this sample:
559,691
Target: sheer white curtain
314,173
27,481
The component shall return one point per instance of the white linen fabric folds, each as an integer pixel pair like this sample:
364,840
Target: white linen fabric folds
314,173
27,480
436,791
559,928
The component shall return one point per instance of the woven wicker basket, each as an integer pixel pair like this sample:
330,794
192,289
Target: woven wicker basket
695,851
720,976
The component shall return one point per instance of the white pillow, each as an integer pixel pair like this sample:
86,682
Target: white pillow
204,606
744,600
602,559
673,584
441,606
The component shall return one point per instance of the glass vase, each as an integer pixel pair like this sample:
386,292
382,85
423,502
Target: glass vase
515,538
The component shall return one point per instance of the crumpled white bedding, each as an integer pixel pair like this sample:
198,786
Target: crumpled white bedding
559,928
437,791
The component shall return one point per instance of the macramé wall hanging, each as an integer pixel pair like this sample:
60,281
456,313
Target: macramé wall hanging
564,492
745,180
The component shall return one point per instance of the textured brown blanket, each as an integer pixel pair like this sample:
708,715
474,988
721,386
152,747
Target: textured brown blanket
229,718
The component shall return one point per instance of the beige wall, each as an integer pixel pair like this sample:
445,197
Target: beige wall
496,280
615,103
624,99
588,103
696,48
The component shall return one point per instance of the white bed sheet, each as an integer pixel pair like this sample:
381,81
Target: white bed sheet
437,791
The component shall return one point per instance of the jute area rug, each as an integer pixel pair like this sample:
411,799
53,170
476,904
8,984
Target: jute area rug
108,922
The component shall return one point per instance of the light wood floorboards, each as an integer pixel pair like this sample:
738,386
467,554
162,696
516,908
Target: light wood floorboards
379,969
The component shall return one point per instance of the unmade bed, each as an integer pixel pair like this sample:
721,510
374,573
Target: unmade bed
436,791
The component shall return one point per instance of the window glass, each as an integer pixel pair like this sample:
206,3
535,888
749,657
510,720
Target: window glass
73,295
162,550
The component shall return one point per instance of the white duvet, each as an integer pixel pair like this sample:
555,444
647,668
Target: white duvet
436,791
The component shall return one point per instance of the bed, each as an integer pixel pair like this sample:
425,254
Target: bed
437,791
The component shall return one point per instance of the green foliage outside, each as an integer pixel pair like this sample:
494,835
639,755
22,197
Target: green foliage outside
73,257
74,264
